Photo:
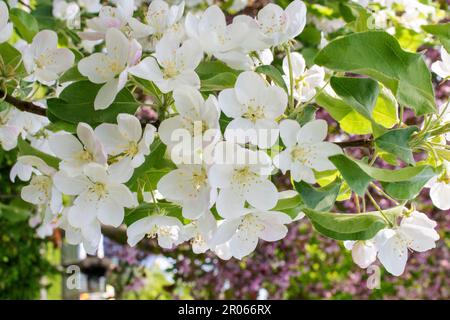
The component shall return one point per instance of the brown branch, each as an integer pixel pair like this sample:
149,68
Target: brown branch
366,143
24,105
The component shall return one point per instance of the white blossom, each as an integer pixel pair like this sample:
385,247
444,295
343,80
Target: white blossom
189,186
41,190
241,175
44,61
126,139
442,68
305,81
305,149
440,188
416,232
167,229
196,125
101,194
200,232
254,106
364,252
111,68
243,232
76,154
161,19
6,28
109,17
172,66
219,39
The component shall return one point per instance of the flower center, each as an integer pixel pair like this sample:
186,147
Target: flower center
43,185
133,149
243,176
44,60
85,156
298,153
199,179
99,189
254,113
115,66
251,224
170,70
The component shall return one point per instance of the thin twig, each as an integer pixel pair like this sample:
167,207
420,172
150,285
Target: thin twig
24,105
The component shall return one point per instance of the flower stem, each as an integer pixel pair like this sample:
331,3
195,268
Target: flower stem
291,78
379,209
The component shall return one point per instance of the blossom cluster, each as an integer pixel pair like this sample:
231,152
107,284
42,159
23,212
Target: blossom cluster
220,177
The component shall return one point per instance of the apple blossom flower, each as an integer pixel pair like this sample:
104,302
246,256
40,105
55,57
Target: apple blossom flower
101,194
44,61
111,68
189,186
9,133
41,191
306,81
89,235
76,155
274,26
305,149
196,119
440,188
254,106
241,175
416,232
238,5
109,17
15,123
161,19
126,139
364,252
442,68
219,39
6,28
177,63
200,232
64,10
244,232
167,229
90,6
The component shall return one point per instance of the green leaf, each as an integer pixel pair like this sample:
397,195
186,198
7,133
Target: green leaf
12,58
385,112
310,36
44,15
396,141
292,206
26,25
25,149
14,213
347,226
72,75
76,104
154,167
349,120
356,178
274,74
402,184
441,31
148,209
209,69
390,176
359,93
379,55
409,189
219,82
306,115
320,199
